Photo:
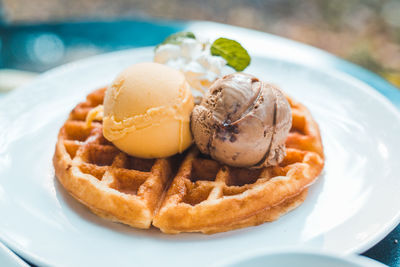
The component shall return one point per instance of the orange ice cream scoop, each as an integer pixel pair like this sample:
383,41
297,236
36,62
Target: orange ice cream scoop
147,111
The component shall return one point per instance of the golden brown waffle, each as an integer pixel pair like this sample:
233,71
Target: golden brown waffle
201,194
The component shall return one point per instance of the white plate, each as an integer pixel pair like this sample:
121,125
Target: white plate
354,204
302,258
9,259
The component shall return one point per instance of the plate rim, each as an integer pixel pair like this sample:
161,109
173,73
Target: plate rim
356,259
6,252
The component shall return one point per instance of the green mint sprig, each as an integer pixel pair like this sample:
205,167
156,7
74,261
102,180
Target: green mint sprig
232,51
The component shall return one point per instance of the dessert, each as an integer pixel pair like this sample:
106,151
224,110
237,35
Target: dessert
147,104
128,162
242,122
204,195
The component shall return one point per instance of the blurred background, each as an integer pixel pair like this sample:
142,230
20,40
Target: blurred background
37,35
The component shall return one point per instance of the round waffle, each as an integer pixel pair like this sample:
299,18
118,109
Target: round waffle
188,192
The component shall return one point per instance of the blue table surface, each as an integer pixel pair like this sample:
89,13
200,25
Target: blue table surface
115,35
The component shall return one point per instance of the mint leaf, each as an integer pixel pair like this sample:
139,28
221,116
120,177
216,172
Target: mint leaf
232,51
177,38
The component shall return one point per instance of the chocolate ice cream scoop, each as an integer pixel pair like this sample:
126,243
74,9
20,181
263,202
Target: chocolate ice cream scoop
242,122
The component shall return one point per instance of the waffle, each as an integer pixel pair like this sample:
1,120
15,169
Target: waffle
188,192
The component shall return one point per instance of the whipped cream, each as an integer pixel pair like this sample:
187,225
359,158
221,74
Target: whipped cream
194,59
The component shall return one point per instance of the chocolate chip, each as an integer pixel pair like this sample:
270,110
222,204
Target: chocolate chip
226,130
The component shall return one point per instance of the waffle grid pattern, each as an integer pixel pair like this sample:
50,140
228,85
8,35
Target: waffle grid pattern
204,195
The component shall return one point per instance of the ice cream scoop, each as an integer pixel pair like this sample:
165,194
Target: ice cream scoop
147,111
243,122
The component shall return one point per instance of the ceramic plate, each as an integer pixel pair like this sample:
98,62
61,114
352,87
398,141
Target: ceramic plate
354,203
9,259
298,259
